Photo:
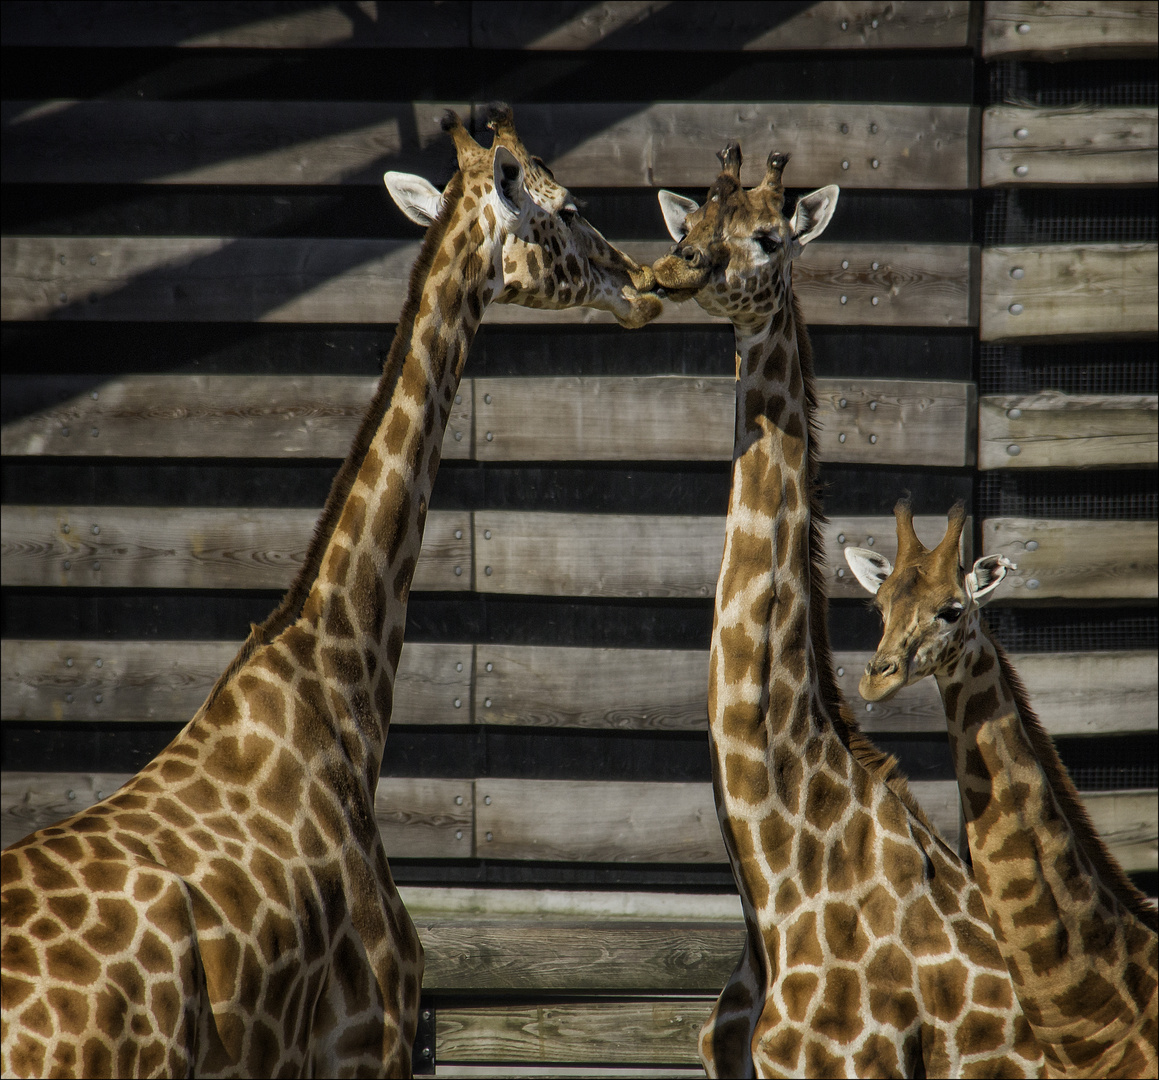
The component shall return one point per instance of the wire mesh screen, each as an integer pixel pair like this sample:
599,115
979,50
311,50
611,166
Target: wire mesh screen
1074,629
1048,216
1117,764
1098,367
1107,82
1127,495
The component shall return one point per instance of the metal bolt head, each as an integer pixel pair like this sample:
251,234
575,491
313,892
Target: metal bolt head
1021,133
96,530
67,564
71,795
98,698
458,800
96,395
873,438
489,666
841,538
426,1014
1014,414
94,433
486,703
873,406
841,571
100,662
458,703
844,264
874,163
458,534
872,129
487,570
1014,449
1015,309
1017,273
1031,545
1021,170
1024,28
487,399
840,672
486,800
68,662
844,299
458,436
869,706
844,129
869,540
458,399
459,666
841,437
844,165
65,528
874,301
486,534
490,437
875,266
64,432
489,838
1033,583
458,571
68,698
842,403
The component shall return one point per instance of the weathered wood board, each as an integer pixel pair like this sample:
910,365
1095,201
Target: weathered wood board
625,1032
1051,430
194,548
1078,560
565,820
471,955
212,416
417,817
1091,694
1091,145
284,280
552,554
657,418
1069,29
1072,290
745,25
220,142
679,418
250,24
167,681
854,144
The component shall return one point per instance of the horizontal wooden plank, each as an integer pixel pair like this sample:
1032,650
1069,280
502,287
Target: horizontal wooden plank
563,820
211,416
484,901
559,554
1067,431
1080,145
125,141
228,24
542,686
166,681
282,280
571,956
623,1032
1069,290
661,418
220,142
498,24
692,419
193,548
417,817
1078,560
1069,29
854,144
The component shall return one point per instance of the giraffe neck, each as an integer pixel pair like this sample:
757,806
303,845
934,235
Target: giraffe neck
762,695
1066,918
349,629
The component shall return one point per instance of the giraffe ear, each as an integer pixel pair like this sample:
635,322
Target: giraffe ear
676,209
419,199
509,188
986,576
813,213
871,568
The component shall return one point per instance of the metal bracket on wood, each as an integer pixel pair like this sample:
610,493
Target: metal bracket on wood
423,1051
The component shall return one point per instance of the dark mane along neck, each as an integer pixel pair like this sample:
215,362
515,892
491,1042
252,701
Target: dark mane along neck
287,612
881,766
1106,868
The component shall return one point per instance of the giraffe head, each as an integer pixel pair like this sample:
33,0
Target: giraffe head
734,254
927,602
551,256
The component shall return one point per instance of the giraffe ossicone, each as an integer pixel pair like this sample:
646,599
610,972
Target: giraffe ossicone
867,949
230,910
1078,938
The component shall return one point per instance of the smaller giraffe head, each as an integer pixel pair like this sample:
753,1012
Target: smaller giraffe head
925,603
551,256
734,254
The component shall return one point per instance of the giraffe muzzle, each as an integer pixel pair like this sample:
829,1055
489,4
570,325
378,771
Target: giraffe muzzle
882,679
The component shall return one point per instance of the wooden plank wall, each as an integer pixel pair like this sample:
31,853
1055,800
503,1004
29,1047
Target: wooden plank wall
200,275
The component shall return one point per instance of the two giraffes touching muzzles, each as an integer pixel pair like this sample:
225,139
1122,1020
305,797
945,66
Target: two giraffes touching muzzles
230,910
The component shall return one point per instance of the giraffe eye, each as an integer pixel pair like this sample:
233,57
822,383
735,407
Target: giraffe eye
950,614
769,244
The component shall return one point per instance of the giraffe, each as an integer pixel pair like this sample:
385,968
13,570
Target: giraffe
867,949
1080,941
230,910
